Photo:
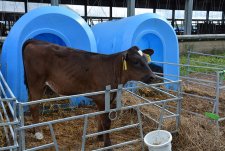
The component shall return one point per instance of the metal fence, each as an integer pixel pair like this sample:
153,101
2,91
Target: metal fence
206,77
8,117
163,113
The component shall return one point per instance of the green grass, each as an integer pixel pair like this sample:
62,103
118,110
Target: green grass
209,59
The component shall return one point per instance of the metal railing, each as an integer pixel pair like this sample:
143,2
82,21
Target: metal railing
8,116
173,98
12,114
207,76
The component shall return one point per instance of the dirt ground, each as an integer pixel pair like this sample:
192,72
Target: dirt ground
195,133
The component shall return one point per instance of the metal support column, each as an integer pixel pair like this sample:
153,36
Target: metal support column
223,17
110,11
130,8
54,2
25,6
207,16
173,17
154,6
85,10
188,17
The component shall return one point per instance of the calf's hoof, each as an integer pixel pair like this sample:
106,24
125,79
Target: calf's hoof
39,136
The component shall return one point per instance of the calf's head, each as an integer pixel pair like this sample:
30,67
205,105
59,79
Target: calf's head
135,65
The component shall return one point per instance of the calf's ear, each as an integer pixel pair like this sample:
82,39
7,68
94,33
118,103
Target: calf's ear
148,51
133,50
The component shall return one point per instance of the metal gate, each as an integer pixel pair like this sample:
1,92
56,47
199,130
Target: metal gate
19,127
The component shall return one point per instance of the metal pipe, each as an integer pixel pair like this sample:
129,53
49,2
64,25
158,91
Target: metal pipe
119,145
217,93
7,120
163,78
25,6
171,116
107,98
89,94
6,85
188,78
211,64
4,127
207,85
118,96
53,137
140,127
151,118
221,119
201,37
179,105
161,116
210,55
188,17
113,130
40,147
153,87
22,132
85,10
140,97
84,133
130,8
203,73
185,65
197,96
8,100
54,2
94,114
9,147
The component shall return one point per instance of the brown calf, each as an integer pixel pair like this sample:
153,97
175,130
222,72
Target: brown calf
69,71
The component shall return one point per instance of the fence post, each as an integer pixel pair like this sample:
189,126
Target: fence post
118,96
140,127
14,119
188,61
21,132
217,95
84,133
107,98
179,103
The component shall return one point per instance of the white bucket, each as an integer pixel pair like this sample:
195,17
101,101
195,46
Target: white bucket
159,140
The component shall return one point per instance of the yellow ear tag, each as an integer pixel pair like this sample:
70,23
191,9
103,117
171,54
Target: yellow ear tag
148,58
124,64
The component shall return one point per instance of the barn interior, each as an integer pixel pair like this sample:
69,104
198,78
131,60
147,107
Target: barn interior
205,25
198,61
